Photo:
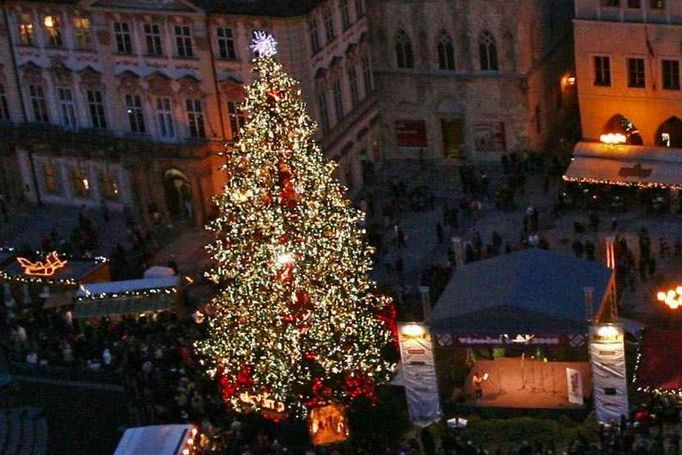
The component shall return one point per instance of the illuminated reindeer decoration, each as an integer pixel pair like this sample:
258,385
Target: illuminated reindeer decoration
42,268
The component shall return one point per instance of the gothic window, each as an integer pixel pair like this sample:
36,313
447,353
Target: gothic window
403,50
446,52
487,50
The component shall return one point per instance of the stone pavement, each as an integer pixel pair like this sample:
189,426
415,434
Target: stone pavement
423,248
28,225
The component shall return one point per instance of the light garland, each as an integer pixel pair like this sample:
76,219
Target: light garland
566,178
297,320
49,280
115,295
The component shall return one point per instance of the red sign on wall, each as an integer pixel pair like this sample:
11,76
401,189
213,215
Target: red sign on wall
411,133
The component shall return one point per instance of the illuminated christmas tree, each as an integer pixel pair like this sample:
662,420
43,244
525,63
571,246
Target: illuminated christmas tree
296,324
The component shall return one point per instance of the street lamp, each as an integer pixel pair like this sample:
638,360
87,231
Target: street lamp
672,298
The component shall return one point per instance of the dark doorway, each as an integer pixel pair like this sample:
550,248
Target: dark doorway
669,134
621,124
178,194
453,137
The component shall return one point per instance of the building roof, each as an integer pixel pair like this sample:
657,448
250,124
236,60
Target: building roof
74,271
660,363
529,291
281,8
625,165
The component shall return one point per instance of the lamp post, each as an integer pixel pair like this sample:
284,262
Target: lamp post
672,298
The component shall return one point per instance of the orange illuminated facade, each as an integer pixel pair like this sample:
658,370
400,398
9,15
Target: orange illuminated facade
627,58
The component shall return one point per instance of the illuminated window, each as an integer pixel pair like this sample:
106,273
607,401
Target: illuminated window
314,35
53,28
38,104
82,32
226,47
636,78
195,118
51,179
338,99
329,24
80,184
353,84
109,185
152,39
4,107
164,116
487,52
345,13
403,50
657,4
602,71
671,74
122,35
446,52
135,114
183,41
96,107
324,113
237,118
67,107
25,29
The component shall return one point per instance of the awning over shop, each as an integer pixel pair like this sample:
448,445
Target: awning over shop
532,296
625,165
659,367
126,297
159,440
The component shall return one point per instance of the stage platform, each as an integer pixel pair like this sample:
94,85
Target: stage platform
526,383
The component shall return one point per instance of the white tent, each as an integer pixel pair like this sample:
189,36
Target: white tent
157,440
159,272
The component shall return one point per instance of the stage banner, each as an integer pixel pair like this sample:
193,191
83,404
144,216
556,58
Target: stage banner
419,373
447,339
607,353
574,382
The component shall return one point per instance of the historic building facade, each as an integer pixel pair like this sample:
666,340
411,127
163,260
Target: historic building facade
627,56
133,103
469,80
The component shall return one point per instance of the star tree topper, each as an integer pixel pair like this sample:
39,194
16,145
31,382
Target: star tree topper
264,44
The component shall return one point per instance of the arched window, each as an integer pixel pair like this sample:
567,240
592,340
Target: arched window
487,51
446,52
403,50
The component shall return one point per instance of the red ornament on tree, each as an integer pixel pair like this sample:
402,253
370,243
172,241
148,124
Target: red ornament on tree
275,95
358,385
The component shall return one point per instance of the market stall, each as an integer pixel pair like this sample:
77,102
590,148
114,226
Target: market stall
116,298
47,276
159,440
659,362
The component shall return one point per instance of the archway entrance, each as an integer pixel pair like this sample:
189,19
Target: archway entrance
451,113
178,194
669,134
621,124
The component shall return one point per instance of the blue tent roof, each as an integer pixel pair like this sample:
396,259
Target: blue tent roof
529,291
